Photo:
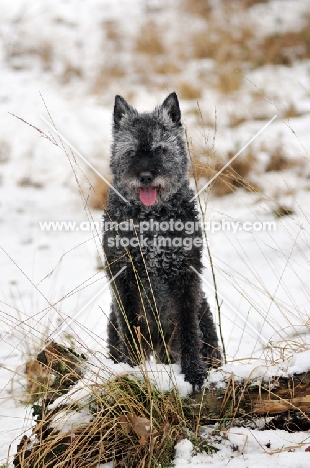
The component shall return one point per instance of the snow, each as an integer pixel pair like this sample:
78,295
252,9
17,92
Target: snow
245,447
50,57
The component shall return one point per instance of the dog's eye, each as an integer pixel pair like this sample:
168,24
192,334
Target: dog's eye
130,153
159,150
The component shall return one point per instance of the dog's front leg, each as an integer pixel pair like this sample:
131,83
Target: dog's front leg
185,292
127,305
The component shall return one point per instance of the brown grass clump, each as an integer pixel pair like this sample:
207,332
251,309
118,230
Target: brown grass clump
47,370
70,72
149,40
236,175
250,3
236,45
279,161
188,90
154,70
202,8
281,210
43,51
284,48
37,378
112,33
27,181
229,80
223,44
235,120
124,420
99,194
106,75
197,7
290,111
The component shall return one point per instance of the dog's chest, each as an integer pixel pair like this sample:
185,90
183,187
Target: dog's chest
157,250
162,243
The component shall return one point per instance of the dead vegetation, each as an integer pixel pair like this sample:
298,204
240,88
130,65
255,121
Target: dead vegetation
122,419
285,48
220,40
229,79
37,377
149,40
281,210
187,90
224,35
206,165
106,74
279,161
99,194
131,423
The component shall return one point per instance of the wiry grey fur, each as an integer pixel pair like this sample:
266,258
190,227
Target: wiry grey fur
158,294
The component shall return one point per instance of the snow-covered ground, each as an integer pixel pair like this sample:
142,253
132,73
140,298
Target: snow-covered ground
50,56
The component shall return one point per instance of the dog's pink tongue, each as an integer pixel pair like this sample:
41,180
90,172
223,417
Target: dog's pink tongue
148,195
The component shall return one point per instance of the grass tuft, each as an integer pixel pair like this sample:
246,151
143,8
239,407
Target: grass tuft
236,175
149,40
124,420
99,194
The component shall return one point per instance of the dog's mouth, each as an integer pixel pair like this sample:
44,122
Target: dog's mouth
148,195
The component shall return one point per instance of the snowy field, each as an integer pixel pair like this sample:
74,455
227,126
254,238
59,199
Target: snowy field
60,62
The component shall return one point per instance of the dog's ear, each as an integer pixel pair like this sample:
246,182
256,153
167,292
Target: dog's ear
121,109
171,105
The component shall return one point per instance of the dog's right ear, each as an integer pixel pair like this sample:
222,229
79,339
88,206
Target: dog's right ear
121,109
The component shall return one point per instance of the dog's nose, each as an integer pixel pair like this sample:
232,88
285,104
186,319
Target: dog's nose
146,178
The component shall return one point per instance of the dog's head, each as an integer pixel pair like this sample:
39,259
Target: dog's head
149,157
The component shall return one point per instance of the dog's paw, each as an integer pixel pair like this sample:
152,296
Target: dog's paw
129,361
194,372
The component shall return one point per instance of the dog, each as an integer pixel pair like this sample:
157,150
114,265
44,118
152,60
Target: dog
152,243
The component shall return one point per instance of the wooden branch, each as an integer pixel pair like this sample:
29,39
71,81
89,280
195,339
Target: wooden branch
249,399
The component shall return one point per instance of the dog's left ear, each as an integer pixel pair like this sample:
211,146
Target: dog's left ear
171,105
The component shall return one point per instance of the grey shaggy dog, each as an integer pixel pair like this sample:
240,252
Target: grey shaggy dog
158,305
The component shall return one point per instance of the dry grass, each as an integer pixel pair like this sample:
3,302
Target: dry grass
70,72
235,120
229,80
149,40
285,48
99,194
155,71
290,111
123,420
223,44
37,377
250,3
236,175
27,181
230,45
43,51
106,75
202,8
188,90
279,161
197,7
112,33
234,46
281,210
163,65
239,174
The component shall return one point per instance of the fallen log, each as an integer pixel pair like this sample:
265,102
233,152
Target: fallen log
250,399
127,420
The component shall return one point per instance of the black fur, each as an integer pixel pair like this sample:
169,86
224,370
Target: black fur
158,295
